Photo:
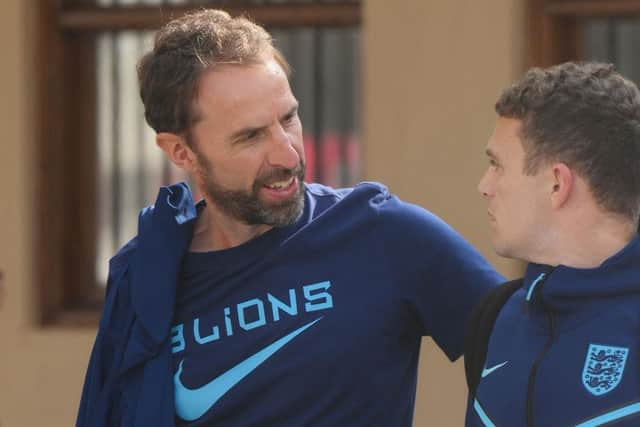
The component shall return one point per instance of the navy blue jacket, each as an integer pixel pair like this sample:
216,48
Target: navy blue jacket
565,349
131,356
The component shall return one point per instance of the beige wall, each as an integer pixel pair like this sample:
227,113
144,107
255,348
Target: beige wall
432,70
40,370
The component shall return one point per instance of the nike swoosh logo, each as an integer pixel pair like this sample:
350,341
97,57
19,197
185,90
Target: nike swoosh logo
191,404
488,371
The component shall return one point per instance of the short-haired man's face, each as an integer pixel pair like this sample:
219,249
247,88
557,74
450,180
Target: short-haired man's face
518,208
249,144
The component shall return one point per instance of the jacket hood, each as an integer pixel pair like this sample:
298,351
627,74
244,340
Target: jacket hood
558,287
165,230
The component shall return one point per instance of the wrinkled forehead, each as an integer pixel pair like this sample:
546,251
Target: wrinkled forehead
232,93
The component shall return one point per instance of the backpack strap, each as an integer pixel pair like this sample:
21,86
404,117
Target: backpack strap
479,330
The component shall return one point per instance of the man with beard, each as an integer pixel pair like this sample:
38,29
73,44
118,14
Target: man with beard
271,302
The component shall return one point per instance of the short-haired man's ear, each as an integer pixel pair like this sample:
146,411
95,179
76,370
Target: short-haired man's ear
177,150
563,182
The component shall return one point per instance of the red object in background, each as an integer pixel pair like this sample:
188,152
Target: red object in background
332,161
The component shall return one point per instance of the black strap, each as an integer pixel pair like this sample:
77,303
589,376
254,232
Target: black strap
479,330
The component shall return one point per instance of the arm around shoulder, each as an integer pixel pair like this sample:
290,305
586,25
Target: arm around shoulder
444,276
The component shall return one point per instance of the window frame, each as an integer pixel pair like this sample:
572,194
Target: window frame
65,224
554,27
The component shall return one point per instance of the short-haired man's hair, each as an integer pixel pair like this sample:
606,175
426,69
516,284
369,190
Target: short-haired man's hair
186,47
585,115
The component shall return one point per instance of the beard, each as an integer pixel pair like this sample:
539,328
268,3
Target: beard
246,206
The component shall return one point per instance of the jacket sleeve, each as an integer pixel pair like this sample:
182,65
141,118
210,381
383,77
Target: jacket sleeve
100,403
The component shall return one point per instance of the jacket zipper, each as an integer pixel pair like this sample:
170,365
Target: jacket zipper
536,365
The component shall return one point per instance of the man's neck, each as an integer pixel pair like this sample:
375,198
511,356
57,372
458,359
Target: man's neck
587,244
216,231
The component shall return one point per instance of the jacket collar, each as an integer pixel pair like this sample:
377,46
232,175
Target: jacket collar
164,235
558,287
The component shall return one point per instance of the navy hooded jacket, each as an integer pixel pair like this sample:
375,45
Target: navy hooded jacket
131,355
565,349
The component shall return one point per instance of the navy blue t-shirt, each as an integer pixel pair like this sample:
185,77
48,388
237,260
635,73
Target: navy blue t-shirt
319,323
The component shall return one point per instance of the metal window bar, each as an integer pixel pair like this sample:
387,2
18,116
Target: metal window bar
614,40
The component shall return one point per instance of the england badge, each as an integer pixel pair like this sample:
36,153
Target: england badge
603,368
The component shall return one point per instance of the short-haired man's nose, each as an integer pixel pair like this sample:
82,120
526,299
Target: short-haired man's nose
483,187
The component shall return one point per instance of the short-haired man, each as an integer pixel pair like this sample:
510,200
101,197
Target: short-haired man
271,302
563,194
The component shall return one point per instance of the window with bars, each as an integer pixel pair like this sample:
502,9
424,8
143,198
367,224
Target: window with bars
562,30
99,163
614,40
